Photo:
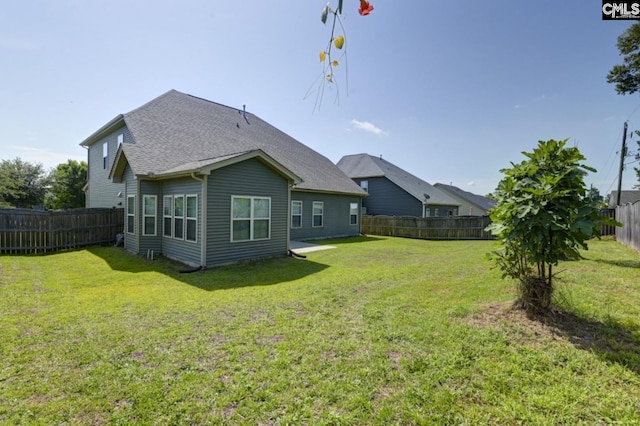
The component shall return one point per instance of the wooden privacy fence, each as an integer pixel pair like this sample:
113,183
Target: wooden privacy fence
429,228
447,228
629,233
30,231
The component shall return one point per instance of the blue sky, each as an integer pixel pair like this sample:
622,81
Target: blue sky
449,91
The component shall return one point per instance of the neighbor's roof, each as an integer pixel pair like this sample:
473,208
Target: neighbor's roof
483,202
626,196
177,132
360,166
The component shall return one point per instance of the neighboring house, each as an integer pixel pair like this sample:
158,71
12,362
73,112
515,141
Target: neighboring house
630,196
395,192
208,185
470,204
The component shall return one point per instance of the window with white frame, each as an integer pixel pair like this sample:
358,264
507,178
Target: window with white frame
167,215
149,205
364,184
105,155
178,217
318,214
353,213
131,214
120,139
250,218
296,214
192,217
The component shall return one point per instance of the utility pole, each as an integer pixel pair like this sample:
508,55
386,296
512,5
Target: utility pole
623,153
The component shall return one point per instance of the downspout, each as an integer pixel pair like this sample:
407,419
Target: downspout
289,217
203,224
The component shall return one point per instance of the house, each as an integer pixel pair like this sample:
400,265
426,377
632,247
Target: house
207,184
395,192
470,204
626,196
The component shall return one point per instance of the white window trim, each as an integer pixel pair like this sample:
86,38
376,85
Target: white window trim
167,216
300,215
313,214
251,218
184,212
364,185
187,218
105,155
132,215
145,215
352,214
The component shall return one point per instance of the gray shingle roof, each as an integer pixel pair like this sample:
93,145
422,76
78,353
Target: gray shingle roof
180,132
483,202
359,166
626,196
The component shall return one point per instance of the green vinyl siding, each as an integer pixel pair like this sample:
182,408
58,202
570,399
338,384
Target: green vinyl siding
181,248
130,189
251,178
102,191
336,215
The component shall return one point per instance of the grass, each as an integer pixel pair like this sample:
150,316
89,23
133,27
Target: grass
376,331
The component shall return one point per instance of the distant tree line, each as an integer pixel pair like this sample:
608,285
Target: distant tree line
28,185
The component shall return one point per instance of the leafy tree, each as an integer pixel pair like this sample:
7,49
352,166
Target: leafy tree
626,77
594,198
22,184
68,180
542,216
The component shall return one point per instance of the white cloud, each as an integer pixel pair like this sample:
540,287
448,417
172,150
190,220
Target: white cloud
367,127
471,183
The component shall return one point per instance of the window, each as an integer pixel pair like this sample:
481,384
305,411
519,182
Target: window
131,214
178,217
192,217
427,212
435,212
120,139
296,214
105,155
364,184
318,214
353,214
250,218
149,203
167,216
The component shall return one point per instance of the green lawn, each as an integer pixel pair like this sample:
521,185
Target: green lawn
376,331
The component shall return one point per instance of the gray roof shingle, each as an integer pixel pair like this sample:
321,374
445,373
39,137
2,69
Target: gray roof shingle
367,166
479,200
180,132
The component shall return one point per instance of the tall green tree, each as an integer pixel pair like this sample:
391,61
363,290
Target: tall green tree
542,216
67,183
626,76
22,184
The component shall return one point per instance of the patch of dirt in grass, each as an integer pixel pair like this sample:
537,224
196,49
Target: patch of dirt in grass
612,341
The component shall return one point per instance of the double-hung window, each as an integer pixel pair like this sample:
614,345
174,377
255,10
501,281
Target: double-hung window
353,213
149,203
192,217
131,214
296,214
250,218
178,217
167,215
105,155
318,214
